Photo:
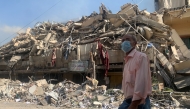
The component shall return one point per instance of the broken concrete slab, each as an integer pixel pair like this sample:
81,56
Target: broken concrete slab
90,20
182,82
39,91
43,101
166,63
183,67
183,48
53,95
101,97
32,89
51,86
41,82
96,103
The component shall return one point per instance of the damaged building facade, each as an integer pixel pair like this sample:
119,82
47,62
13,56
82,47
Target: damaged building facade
91,47
83,57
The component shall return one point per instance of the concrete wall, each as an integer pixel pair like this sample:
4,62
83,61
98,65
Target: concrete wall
170,3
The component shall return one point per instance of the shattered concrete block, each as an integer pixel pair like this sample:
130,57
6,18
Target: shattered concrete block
101,97
185,51
151,23
182,67
23,43
80,98
90,20
176,38
53,95
157,17
148,32
127,9
87,88
39,91
166,63
53,101
96,103
102,87
41,82
46,39
32,89
175,52
51,86
81,105
43,101
2,82
15,58
93,81
28,30
2,88
182,82
179,42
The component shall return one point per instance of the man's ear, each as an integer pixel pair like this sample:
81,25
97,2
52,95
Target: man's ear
133,43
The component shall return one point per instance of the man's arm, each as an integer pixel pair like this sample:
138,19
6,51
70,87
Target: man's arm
141,81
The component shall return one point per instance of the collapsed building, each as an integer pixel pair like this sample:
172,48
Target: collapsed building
91,47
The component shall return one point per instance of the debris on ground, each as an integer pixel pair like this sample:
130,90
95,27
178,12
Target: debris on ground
68,94
63,94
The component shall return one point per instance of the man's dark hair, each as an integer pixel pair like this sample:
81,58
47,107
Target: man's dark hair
132,37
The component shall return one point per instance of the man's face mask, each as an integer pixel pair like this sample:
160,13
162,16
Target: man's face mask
126,46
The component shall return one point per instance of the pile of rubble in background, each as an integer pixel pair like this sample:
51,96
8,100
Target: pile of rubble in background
68,94
100,32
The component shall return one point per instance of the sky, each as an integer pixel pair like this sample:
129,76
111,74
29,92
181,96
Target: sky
17,15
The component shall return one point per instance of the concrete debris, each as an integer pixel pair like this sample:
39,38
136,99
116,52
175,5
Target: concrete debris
32,89
68,46
39,91
41,82
97,103
63,94
170,100
67,94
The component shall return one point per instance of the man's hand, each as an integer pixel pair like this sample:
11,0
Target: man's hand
132,107
134,104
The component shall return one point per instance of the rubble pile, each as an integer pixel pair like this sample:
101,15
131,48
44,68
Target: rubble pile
54,45
68,94
51,45
163,100
104,27
64,94
170,100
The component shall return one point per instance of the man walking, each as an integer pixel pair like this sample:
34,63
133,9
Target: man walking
136,83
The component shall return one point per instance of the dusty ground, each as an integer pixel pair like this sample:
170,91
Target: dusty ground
19,105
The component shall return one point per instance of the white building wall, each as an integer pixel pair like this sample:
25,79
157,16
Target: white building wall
169,4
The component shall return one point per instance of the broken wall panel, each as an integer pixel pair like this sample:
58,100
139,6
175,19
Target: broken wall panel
116,53
85,51
182,82
179,42
183,67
